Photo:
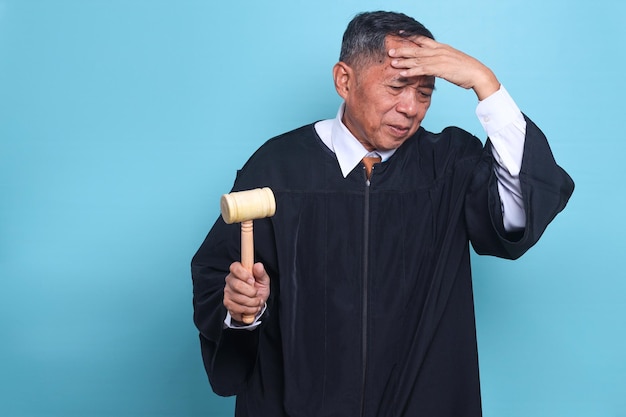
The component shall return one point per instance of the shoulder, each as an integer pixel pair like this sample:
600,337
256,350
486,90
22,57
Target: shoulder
290,143
282,159
449,146
451,138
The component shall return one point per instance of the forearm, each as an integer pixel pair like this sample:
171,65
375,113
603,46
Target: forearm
506,128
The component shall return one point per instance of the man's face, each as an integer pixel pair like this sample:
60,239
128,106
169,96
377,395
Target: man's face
382,108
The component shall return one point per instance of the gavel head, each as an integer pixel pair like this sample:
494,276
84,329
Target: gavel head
248,205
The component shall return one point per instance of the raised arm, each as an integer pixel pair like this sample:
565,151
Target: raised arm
425,56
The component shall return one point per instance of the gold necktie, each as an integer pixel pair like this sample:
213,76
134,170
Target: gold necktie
369,161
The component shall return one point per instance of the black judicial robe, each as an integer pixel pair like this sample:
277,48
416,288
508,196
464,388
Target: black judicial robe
371,308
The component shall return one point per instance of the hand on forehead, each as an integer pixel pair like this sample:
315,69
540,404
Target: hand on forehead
400,50
419,56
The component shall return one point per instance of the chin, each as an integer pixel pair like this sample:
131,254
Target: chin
390,145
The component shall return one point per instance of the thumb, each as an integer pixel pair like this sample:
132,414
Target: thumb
261,277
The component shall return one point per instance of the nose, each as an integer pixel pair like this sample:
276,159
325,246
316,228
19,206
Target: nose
408,103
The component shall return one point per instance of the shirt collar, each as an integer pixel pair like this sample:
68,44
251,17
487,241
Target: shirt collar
348,150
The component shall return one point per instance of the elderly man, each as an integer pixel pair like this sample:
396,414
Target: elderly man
362,292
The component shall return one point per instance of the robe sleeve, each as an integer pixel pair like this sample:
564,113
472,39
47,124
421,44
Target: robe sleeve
228,354
546,188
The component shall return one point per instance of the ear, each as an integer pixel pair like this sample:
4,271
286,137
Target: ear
343,75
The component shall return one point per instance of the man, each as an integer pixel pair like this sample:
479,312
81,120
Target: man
362,291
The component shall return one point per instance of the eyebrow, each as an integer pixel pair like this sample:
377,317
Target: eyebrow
405,80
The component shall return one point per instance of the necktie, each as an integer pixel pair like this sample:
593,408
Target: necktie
369,161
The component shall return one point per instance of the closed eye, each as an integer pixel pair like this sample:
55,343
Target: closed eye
396,88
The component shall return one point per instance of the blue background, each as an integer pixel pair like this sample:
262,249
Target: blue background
122,122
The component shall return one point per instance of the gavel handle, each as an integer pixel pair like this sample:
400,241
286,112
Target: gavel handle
247,255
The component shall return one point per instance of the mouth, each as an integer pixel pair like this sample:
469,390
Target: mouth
399,130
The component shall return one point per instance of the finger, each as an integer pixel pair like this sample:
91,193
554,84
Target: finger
415,67
433,63
236,285
238,271
423,41
237,310
416,49
405,63
400,54
239,304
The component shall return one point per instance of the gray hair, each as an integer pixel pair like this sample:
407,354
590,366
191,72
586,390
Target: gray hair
364,38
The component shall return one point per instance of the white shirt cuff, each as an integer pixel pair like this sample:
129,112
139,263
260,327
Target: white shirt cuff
229,322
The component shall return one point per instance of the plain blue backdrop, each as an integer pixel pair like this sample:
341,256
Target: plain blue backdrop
123,121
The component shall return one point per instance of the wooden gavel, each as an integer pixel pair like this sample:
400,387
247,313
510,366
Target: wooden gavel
243,207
